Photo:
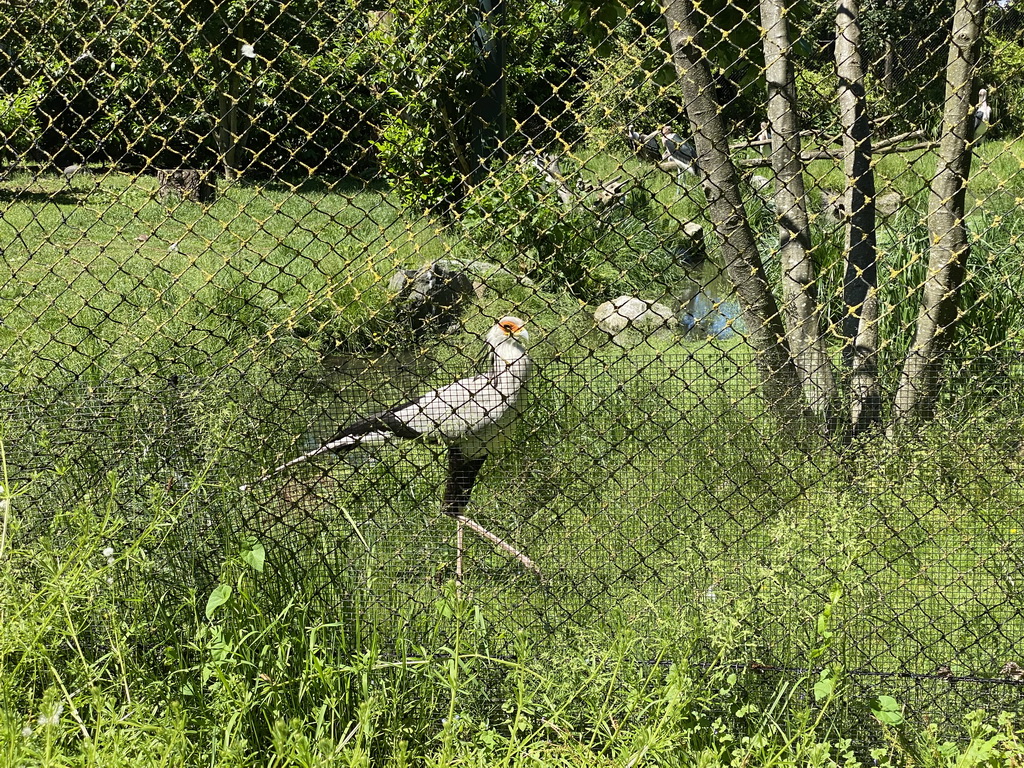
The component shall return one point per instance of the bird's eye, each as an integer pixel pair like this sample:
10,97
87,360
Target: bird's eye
509,327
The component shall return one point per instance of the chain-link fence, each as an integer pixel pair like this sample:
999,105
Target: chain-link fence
731,294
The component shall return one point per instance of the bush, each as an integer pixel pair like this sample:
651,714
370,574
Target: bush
419,170
19,126
592,252
1003,76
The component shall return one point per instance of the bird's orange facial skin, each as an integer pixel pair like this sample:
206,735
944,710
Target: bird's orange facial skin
509,327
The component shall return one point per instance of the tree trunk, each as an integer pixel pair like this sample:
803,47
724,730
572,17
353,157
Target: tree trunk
780,382
185,184
947,232
861,278
865,395
488,109
231,139
799,280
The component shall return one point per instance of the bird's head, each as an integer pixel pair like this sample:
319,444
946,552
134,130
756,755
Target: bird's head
507,339
508,331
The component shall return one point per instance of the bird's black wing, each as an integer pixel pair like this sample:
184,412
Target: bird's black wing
386,422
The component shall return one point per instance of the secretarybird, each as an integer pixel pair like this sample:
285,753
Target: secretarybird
470,416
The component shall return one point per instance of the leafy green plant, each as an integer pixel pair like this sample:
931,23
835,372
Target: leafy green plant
19,122
592,251
1002,76
421,170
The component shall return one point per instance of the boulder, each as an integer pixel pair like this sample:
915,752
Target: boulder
631,321
889,203
691,250
436,293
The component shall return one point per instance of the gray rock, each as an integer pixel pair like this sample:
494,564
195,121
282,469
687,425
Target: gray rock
691,250
631,321
486,275
889,203
400,279
436,293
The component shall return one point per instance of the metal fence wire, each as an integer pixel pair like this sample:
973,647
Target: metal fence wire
585,307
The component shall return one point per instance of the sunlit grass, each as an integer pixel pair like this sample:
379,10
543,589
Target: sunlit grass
688,549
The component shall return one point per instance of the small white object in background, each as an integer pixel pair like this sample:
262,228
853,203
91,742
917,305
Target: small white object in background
680,156
248,51
759,183
982,114
764,138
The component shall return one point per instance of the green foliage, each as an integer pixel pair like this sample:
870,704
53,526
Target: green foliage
634,85
149,88
345,657
887,711
19,122
436,138
592,251
419,166
1002,75
426,64
990,326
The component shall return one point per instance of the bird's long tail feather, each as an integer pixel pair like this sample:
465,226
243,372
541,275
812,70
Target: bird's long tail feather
338,445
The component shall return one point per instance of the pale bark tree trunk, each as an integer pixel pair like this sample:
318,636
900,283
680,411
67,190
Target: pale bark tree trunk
799,280
947,232
780,382
865,396
861,278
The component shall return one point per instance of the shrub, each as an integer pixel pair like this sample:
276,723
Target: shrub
592,252
19,126
1004,79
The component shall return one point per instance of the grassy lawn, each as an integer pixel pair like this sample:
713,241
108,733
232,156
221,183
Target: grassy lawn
711,593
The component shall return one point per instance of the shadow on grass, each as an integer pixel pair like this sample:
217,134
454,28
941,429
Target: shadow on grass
64,197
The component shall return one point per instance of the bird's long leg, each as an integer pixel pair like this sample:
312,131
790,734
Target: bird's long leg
462,474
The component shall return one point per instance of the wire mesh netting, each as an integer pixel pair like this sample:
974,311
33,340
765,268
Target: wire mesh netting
586,308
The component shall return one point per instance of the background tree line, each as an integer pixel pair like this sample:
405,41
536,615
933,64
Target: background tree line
339,87
432,96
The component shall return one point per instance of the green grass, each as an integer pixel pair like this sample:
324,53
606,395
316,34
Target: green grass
671,526
711,594
664,584
108,281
